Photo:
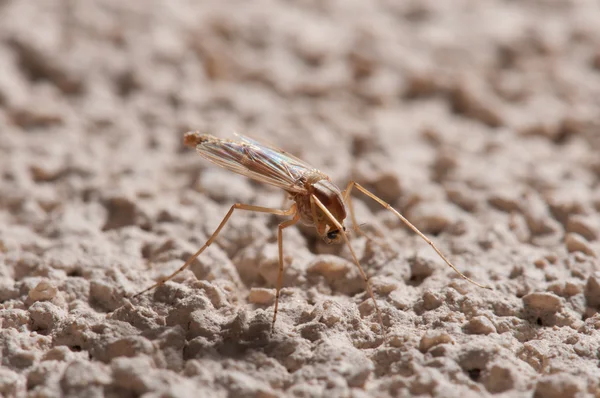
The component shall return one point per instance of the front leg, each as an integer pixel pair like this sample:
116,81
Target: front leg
314,203
352,184
281,227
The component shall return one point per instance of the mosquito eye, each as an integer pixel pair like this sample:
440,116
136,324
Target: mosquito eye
332,234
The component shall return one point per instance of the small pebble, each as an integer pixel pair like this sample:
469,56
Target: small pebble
480,325
261,296
584,226
540,263
543,302
577,243
432,338
45,316
431,300
592,290
508,201
499,378
128,346
60,353
542,307
43,291
571,289
561,385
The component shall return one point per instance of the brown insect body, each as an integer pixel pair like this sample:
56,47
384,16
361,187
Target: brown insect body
318,201
330,195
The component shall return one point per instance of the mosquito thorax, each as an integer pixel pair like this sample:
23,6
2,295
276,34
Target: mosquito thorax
330,196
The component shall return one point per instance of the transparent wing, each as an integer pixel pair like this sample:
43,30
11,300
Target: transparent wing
257,161
286,156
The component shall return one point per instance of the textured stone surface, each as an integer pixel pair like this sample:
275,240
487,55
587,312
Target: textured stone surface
478,120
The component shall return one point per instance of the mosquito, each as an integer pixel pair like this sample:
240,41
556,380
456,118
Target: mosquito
317,201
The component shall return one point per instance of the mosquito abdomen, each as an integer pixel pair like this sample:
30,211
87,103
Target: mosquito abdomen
194,138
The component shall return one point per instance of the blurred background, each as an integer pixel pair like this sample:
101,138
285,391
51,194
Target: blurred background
416,85
478,102
478,119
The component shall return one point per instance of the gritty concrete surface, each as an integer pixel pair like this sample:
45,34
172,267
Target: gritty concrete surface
479,120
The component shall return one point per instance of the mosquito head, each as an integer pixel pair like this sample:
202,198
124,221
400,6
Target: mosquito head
333,236
328,222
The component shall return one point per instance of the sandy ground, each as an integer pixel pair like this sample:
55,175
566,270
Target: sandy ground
479,120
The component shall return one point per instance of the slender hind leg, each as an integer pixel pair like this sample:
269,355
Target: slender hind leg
281,227
348,200
212,238
315,201
355,226
411,226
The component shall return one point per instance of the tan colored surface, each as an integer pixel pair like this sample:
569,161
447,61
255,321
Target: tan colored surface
479,120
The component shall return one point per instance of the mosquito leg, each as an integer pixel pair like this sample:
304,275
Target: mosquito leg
411,226
212,238
281,227
355,226
348,199
315,201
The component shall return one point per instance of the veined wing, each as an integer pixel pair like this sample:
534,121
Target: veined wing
255,160
288,157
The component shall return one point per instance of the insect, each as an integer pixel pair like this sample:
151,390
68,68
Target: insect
317,201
